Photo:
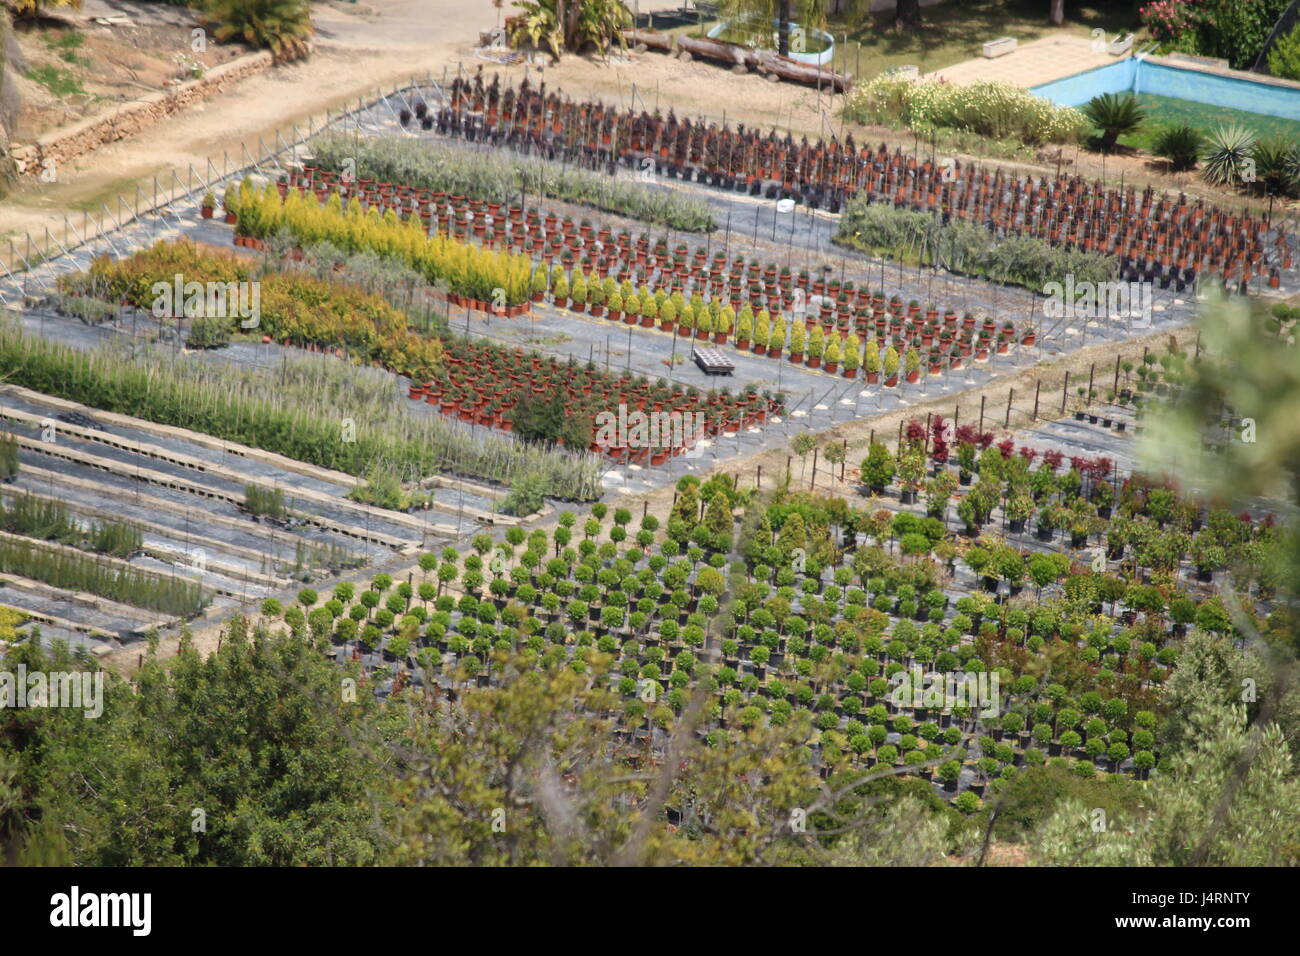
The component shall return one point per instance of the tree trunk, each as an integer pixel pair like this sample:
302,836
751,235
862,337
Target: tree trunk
764,61
1058,12
907,15
783,28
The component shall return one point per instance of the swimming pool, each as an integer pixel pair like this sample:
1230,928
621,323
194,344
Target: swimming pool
1163,76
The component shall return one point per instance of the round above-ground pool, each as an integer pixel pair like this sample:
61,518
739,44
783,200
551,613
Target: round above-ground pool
818,46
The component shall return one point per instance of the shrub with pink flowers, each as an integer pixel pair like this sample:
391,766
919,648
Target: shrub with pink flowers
1168,20
1234,30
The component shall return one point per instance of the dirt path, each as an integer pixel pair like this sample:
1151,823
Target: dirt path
358,49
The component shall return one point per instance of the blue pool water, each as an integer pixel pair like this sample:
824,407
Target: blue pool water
1143,76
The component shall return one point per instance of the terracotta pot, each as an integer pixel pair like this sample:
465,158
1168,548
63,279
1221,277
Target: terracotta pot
207,212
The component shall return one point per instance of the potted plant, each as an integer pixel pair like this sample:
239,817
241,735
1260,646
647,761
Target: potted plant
667,314
1049,519
209,203
683,319
1019,508
776,337
852,356
797,336
965,461
832,354
871,361
878,468
722,327
704,321
744,327
816,347
890,368
913,365
762,325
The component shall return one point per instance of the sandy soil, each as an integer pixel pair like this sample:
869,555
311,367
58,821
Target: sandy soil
358,49
108,64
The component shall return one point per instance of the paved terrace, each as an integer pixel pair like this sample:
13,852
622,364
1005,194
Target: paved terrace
1030,64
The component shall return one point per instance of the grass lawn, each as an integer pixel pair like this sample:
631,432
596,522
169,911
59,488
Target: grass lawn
1165,111
953,31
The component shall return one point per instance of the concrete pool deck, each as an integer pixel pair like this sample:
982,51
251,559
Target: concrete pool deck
1030,64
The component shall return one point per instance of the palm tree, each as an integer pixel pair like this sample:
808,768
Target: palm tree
281,26
570,25
1114,114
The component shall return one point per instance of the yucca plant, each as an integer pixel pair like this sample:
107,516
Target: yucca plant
1181,145
1228,158
281,26
1114,114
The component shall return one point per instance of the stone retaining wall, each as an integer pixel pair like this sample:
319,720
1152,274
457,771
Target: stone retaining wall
62,146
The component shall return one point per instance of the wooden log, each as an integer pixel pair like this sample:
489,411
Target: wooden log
713,49
651,39
763,61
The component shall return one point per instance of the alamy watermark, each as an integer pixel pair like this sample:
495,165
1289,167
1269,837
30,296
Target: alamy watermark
213,300
654,430
1099,300
944,690
77,909
80,690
